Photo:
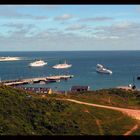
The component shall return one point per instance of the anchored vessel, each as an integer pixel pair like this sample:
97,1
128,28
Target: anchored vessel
101,69
2,59
38,63
62,66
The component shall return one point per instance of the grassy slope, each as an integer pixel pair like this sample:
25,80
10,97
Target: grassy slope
112,97
21,115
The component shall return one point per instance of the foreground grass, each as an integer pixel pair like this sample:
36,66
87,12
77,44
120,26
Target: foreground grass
21,114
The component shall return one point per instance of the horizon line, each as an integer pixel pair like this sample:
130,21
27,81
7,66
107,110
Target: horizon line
64,50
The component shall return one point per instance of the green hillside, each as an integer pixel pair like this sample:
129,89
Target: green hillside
111,97
23,113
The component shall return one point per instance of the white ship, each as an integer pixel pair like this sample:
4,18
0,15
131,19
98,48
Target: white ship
101,69
38,63
2,59
62,66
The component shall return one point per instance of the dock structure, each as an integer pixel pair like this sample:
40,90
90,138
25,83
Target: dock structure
47,79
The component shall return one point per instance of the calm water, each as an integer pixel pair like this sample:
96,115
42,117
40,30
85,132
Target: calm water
124,64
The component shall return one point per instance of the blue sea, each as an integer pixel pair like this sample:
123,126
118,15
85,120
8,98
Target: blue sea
124,64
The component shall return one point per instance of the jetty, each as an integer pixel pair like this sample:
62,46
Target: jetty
47,79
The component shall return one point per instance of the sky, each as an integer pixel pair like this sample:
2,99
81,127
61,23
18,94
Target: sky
69,27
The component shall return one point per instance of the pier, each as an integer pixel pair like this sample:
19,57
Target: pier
47,79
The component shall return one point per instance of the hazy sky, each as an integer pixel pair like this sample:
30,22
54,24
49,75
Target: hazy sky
69,27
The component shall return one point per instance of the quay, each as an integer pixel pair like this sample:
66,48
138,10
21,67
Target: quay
47,79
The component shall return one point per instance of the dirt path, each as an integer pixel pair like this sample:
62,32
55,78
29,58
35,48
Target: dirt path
131,112
132,130
109,101
99,126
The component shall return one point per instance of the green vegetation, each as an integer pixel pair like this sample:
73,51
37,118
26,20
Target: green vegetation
111,97
23,113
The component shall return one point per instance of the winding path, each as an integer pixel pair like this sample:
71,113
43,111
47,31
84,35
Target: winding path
131,112
131,131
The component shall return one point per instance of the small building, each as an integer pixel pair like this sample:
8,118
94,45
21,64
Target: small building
38,89
80,88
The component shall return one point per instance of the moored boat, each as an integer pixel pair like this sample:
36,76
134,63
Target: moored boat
3,59
62,66
101,69
38,63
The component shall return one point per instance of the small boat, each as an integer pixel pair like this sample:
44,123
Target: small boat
3,59
101,69
62,66
38,63
138,78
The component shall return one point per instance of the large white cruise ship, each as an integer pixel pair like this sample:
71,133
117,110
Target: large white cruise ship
38,63
101,69
62,66
2,59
